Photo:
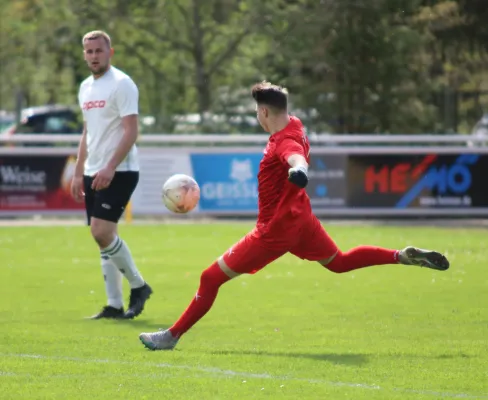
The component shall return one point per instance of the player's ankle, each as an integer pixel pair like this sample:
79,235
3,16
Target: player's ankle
175,333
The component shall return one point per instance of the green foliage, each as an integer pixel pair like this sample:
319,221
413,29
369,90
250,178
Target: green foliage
352,66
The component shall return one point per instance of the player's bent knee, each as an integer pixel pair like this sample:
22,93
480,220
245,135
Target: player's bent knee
213,276
334,263
225,268
206,277
103,232
327,261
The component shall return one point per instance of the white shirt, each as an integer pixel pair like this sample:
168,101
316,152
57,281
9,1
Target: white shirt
104,102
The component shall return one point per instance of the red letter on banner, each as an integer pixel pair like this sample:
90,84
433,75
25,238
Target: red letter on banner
373,178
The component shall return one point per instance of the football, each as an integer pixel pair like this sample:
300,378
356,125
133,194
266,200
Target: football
181,193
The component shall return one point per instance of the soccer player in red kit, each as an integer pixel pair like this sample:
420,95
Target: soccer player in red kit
285,222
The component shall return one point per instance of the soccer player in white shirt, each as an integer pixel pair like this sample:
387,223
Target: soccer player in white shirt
107,170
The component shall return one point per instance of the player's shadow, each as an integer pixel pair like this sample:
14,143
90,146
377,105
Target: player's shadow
335,358
452,356
342,359
142,324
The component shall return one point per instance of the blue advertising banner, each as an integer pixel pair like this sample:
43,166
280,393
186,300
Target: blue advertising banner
228,182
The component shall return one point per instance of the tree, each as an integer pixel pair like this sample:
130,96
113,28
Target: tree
194,51
351,66
355,62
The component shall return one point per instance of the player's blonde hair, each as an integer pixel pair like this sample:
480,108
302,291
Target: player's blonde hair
97,34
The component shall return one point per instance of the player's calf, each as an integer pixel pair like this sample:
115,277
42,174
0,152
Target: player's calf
210,281
360,257
116,254
367,256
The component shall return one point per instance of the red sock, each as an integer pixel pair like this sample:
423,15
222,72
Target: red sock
210,281
362,256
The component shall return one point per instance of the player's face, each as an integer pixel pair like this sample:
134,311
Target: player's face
262,114
97,55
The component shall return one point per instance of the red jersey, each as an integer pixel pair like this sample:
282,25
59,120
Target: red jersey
282,205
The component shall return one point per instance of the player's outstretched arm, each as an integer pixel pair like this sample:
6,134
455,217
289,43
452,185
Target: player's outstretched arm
298,173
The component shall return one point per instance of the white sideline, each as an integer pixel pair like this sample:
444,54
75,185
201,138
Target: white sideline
223,373
168,220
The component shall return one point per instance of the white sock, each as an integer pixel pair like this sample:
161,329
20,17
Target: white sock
120,255
113,283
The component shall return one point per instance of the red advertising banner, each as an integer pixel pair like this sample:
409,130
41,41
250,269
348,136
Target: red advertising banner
37,183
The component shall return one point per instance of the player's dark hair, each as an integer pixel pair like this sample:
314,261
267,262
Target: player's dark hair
274,96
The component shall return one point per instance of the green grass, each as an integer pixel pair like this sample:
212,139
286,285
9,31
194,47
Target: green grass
292,331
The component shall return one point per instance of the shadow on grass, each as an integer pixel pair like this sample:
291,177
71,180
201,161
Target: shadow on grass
140,324
335,358
449,356
343,359
144,324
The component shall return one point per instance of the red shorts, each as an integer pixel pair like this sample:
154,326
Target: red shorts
252,253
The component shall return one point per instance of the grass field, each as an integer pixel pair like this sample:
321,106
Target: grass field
293,331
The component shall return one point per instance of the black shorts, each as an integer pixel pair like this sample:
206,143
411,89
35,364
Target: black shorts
109,204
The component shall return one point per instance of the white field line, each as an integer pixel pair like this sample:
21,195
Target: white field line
105,375
68,222
224,373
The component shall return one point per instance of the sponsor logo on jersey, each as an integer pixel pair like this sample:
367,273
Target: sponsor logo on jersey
88,105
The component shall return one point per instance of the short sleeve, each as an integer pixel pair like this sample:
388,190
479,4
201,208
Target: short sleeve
287,147
127,98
